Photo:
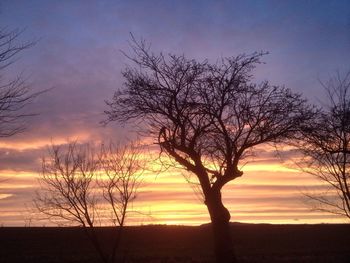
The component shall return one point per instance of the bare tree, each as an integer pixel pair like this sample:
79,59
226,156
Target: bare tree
68,189
325,145
122,167
208,118
75,180
14,94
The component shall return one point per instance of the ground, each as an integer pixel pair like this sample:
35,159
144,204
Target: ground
253,243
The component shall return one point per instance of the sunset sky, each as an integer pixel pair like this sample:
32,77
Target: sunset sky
78,57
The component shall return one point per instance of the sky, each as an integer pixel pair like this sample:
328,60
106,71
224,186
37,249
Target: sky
77,56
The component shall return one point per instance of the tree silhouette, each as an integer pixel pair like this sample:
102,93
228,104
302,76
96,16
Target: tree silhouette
75,179
68,189
207,117
326,148
122,168
14,94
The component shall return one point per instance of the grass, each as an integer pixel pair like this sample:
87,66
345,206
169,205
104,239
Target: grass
253,243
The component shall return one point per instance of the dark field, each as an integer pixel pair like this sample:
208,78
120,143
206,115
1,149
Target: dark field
254,243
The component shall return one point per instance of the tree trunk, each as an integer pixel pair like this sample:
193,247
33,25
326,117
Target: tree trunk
220,222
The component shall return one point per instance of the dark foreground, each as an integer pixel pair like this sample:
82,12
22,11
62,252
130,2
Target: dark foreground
254,243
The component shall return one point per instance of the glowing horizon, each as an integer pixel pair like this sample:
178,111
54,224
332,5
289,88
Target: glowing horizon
268,192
